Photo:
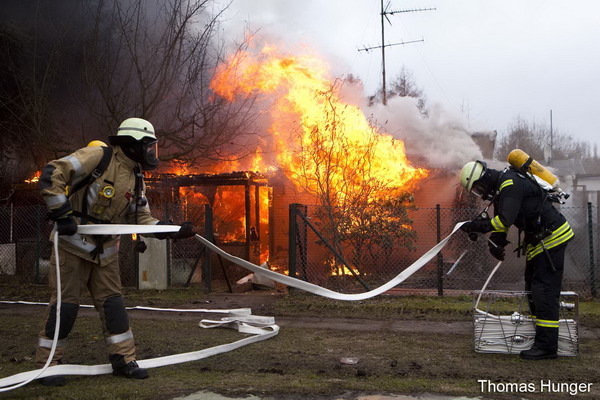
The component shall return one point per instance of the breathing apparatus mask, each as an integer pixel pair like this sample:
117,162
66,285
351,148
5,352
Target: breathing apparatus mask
144,152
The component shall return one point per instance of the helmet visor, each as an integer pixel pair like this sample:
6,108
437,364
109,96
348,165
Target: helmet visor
151,150
149,153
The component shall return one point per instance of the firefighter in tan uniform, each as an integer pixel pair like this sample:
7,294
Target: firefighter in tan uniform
77,190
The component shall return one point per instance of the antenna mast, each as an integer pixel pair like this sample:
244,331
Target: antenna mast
384,15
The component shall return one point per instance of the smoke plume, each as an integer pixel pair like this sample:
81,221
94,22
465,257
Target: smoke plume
441,140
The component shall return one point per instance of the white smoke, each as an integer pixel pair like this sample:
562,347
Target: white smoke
441,140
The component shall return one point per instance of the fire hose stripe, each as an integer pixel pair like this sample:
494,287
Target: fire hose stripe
237,311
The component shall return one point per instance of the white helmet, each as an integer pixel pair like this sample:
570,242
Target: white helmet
138,141
477,178
471,172
137,128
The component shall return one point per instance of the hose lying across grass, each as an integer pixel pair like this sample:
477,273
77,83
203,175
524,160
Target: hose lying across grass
261,327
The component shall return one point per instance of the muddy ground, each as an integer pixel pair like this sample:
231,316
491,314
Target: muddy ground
396,354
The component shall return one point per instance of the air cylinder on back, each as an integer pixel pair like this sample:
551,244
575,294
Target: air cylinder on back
521,160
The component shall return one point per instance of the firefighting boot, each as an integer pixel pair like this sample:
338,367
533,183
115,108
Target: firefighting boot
545,346
57,380
538,354
41,355
127,370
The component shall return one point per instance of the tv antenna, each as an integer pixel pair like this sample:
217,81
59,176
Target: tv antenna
385,11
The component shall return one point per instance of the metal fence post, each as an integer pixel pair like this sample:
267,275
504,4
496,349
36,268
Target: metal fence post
440,259
293,229
169,248
208,232
38,243
591,248
302,212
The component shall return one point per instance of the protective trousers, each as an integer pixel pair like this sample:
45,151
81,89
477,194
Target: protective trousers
104,285
543,280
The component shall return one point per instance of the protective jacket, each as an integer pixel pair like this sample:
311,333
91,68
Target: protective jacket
110,198
522,202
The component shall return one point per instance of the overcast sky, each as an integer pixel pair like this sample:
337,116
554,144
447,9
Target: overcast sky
489,61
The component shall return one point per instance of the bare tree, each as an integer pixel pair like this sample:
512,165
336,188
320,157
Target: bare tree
534,138
358,208
27,118
404,85
524,135
155,61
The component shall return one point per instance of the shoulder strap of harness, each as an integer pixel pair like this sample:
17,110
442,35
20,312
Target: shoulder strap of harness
96,173
85,217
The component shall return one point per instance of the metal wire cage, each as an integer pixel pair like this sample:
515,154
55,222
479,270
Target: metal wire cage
502,323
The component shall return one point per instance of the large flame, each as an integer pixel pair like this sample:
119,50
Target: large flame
318,138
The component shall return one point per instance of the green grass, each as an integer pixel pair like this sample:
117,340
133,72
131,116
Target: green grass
298,362
301,361
430,308
298,303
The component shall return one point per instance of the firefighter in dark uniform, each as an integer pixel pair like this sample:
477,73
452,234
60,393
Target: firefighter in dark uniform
78,191
519,200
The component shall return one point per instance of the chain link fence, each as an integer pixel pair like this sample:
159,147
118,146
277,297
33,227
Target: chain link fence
343,263
351,263
25,245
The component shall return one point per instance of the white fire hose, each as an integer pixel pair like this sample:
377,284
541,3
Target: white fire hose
321,291
262,327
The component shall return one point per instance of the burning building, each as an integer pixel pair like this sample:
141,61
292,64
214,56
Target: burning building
317,150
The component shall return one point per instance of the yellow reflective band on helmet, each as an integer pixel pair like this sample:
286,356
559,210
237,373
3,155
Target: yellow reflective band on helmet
546,323
558,237
498,225
506,183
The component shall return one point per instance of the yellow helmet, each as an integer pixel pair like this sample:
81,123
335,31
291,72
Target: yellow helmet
97,143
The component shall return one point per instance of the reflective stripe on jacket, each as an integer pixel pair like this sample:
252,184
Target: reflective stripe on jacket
559,236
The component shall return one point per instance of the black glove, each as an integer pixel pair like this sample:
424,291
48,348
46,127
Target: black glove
66,226
186,231
477,225
140,246
496,245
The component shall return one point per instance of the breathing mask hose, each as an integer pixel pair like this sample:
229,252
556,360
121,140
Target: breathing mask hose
140,245
57,327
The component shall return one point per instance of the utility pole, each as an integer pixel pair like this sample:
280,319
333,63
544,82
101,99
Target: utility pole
385,11
551,141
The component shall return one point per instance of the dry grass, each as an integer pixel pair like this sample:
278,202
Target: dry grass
298,363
